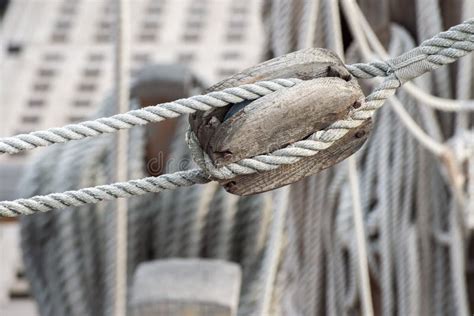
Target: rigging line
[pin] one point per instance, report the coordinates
(357, 211)
(361, 240)
(274, 248)
(427, 141)
(143, 116)
(352, 10)
(311, 11)
(442, 104)
(122, 48)
(92, 195)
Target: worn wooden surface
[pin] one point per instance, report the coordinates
(186, 287)
(281, 118)
(304, 64)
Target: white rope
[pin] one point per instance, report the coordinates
(151, 114)
(429, 143)
(357, 212)
(274, 249)
(45, 203)
(443, 104)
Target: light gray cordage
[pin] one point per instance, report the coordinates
(100, 193)
(151, 114)
(444, 48)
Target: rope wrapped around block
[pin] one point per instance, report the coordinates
(442, 49)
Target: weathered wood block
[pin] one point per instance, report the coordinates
(186, 287)
(327, 93)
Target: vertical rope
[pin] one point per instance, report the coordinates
(357, 212)
(272, 256)
(122, 99)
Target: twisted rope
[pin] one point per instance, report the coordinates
(45, 203)
(151, 114)
(442, 49)
(291, 154)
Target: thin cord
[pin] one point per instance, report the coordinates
(274, 249)
(428, 142)
(122, 44)
(357, 211)
(366, 292)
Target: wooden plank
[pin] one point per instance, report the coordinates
(186, 287)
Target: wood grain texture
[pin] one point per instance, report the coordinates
(327, 94)
(280, 118)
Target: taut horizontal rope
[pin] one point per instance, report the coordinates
(151, 114)
(45, 203)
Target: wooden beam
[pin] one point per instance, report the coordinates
(186, 287)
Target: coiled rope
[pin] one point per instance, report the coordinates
(444, 48)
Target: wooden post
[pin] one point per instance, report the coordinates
(186, 287)
(159, 84)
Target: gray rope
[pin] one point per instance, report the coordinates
(151, 114)
(45, 203)
(443, 48)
